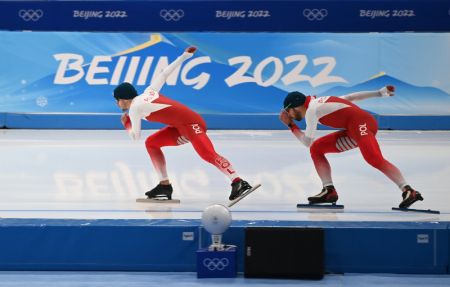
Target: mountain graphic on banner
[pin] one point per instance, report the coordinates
(408, 99)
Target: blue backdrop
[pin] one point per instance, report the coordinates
(236, 80)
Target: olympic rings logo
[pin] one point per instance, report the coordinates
(315, 14)
(31, 15)
(216, 263)
(171, 15)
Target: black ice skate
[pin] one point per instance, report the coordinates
(409, 197)
(327, 195)
(161, 191)
(238, 188)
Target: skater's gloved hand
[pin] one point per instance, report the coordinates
(285, 118)
(191, 49)
(387, 91)
(188, 53)
(126, 122)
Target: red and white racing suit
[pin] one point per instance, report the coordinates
(358, 131)
(183, 125)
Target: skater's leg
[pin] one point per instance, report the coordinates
(168, 136)
(205, 149)
(332, 143)
(371, 152)
(364, 133)
(196, 133)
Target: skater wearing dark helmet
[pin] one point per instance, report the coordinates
(358, 130)
(183, 125)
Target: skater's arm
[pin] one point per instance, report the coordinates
(311, 125)
(301, 135)
(387, 91)
(135, 120)
(126, 122)
(158, 83)
(284, 118)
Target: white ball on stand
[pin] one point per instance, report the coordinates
(216, 219)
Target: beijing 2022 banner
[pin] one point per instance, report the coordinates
(231, 73)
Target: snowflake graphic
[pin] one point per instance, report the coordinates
(41, 101)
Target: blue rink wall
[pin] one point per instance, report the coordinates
(214, 121)
(170, 245)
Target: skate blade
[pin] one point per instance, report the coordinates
(156, 200)
(416, 210)
(320, 206)
(234, 201)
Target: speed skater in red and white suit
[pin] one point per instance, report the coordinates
(183, 125)
(358, 130)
